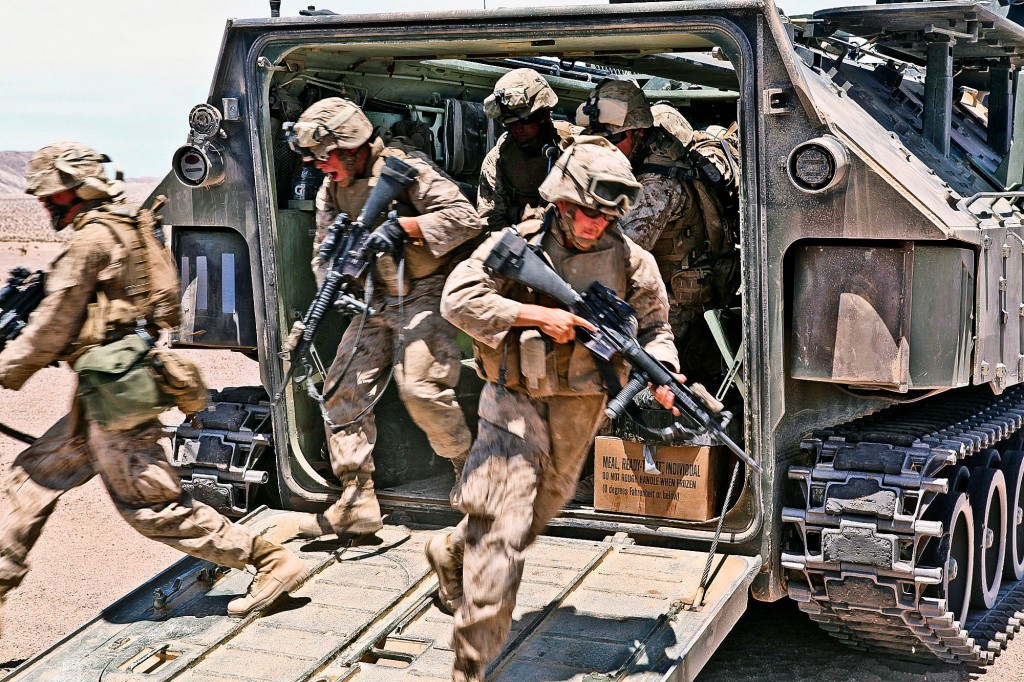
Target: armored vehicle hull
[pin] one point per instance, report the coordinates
(877, 344)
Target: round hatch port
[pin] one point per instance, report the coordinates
(818, 165)
(198, 166)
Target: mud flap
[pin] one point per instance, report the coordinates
(594, 611)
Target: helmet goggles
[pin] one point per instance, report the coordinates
(614, 192)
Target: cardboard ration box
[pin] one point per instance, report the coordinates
(685, 486)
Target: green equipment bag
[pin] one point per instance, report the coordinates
(117, 386)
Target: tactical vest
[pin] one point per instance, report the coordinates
(529, 362)
(419, 261)
(140, 287)
(521, 174)
(689, 246)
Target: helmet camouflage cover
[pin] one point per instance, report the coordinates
(669, 119)
(332, 123)
(613, 107)
(518, 94)
(592, 172)
(70, 165)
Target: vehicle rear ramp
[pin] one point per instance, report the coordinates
(587, 611)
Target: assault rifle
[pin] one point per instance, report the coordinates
(22, 294)
(344, 250)
(513, 258)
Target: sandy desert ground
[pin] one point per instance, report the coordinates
(88, 557)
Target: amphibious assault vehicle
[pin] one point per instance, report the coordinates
(877, 343)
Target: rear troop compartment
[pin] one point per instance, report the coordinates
(434, 104)
(425, 85)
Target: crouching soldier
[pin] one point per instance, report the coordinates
(536, 427)
(110, 293)
(407, 333)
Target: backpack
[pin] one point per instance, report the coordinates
(153, 279)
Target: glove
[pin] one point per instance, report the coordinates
(387, 238)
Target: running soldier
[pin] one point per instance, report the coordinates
(514, 168)
(536, 427)
(433, 220)
(103, 297)
(687, 214)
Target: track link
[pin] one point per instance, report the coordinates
(859, 568)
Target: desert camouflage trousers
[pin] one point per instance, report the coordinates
(141, 483)
(521, 471)
(426, 372)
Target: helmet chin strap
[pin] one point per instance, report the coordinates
(57, 213)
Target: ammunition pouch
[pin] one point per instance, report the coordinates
(180, 380)
(692, 288)
(117, 387)
(126, 383)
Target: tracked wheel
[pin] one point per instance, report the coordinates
(987, 494)
(904, 516)
(955, 554)
(1013, 471)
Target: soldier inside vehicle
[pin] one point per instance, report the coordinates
(462, 114)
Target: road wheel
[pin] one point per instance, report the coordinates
(987, 493)
(954, 551)
(1013, 471)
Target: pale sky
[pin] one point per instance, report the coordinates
(122, 75)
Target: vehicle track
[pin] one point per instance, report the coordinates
(870, 558)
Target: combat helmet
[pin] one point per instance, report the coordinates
(71, 165)
(332, 123)
(613, 107)
(518, 94)
(592, 172)
(674, 123)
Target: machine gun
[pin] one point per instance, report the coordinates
(513, 258)
(21, 295)
(344, 250)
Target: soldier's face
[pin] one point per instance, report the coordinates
(526, 131)
(625, 141)
(345, 165)
(584, 225)
(523, 133)
(59, 207)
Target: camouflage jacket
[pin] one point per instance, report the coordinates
(680, 218)
(84, 295)
(486, 305)
(446, 218)
(509, 178)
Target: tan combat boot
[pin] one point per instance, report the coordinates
(278, 571)
(356, 512)
(446, 560)
(468, 671)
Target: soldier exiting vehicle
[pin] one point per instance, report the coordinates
(111, 292)
(684, 215)
(407, 332)
(514, 168)
(544, 397)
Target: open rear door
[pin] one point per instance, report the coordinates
(587, 611)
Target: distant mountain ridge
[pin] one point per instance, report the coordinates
(12, 172)
(12, 178)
